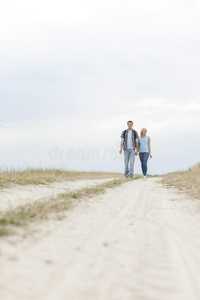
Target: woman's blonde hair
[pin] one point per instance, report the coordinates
(142, 130)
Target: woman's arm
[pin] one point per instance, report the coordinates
(149, 141)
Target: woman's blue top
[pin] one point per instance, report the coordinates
(143, 144)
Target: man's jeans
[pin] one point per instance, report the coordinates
(129, 156)
(143, 158)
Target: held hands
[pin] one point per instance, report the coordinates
(136, 153)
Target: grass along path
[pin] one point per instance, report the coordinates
(43, 176)
(186, 181)
(22, 215)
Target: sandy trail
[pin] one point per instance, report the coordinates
(139, 241)
(22, 194)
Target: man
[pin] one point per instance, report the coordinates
(129, 141)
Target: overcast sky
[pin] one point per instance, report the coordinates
(74, 72)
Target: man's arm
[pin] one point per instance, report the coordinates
(122, 141)
(137, 147)
(121, 145)
(137, 143)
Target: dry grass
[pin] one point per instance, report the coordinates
(43, 176)
(40, 210)
(187, 181)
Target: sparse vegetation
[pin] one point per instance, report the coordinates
(187, 181)
(40, 210)
(43, 176)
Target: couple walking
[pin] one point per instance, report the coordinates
(131, 141)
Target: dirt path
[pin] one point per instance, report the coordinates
(139, 241)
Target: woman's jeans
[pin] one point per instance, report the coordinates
(143, 158)
(129, 156)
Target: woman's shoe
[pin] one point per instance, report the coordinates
(144, 177)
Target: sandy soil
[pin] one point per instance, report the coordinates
(22, 194)
(139, 241)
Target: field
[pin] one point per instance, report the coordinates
(186, 181)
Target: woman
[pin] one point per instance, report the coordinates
(144, 150)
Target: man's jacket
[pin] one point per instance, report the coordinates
(124, 136)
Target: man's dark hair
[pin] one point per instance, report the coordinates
(130, 122)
